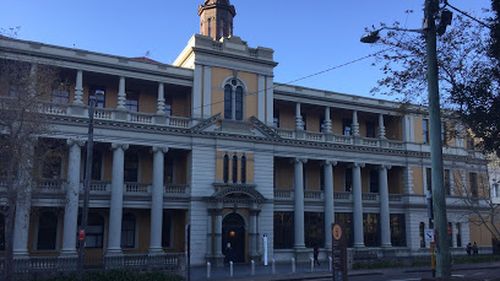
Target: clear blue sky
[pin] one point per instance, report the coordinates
(307, 36)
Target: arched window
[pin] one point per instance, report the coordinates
(47, 231)
(239, 103)
(209, 28)
(243, 169)
(228, 103)
(225, 169)
(235, 169)
(128, 231)
(233, 100)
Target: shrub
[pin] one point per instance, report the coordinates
(119, 275)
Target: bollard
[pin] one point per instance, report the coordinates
(312, 264)
(252, 264)
(293, 265)
(274, 266)
(330, 264)
(209, 269)
(231, 269)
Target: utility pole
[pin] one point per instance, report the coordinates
(443, 258)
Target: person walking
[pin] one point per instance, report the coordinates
(316, 254)
(475, 250)
(468, 249)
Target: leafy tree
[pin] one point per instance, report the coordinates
(468, 73)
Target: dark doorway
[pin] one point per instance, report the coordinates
(233, 238)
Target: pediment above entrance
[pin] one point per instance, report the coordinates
(244, 192)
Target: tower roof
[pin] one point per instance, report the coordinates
(224, 4)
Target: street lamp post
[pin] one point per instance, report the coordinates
(431, 9)
(82, 231)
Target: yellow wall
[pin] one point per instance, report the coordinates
(313, 180)
(287, 116)
(337, 117)
(313, 120)
(250, 100)
(418, 185)
(147, 102)
(284, 174)
(338, 178)
(219, 166)
(394, 128)
(419, 135)
(479, 233)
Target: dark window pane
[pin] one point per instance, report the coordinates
(132, 102)
(371, 229)
(398, 230)
(166, 240)
(370, 129)
(47, 231)
(374, 188)
(128, 231)
(346, 127)
(473, 184)
(131, 171)
(239, 103)
(235, 169)
(425, 130)
(447, 183)
(315, 225)
(95, 231)
(243, 169)
(101, 98)
(421, 231)
(228, 102)
(283, 230)
(225, 169)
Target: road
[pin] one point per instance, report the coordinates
(412, 275)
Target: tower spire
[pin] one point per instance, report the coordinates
(216, 18)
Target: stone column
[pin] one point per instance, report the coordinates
(385, 228)
(218, 235)
(329, 206)
(160, 106)
(254, 212)
(299, 204)
(72, 195)
(122, 96)
(357, 205)
(23, 204)
(210, 218)
(116, 206)
(327, 125)
(355, 124)
(299, 123)
(157, 200)
(381, 126)
(78, 98)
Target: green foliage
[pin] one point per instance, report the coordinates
(120, 275)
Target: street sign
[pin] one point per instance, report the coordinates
(339, 253)
(429, 236)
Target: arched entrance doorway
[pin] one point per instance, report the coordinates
(233, 232)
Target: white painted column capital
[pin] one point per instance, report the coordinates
(330, 163)
(299, 159)
(358, 165)
(122, 146)
(163, 149)
(75, 141)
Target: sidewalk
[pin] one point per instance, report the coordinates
(242, 272)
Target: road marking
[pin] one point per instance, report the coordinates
(409, 279)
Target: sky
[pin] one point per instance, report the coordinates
(307, 36)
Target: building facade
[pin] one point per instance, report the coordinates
(214, 142)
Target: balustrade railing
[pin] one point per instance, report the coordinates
(312, 194)
(313, 136)
(179, 122)
(54, 108)
(137, 117)
(100, 186)
(395, 197)
(395, 144)
(370, 196)
(283, 194)
(102, 113)
(135, 187)
(178, 189)
(47, 185)
(370, 142)
(342, 139)
(342, 195)
(287, 134)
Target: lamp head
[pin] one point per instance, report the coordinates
(371, 37)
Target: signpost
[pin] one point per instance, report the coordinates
(339, 253)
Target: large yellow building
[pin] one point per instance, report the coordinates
(213, 141)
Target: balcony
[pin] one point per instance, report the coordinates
(340, 139)
(177, 190)
(50, 186)
(117, 115)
